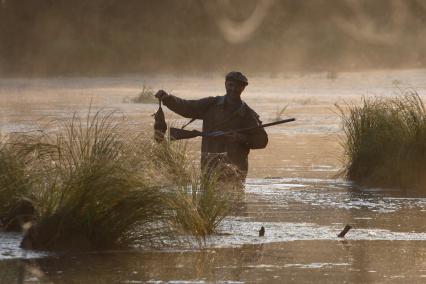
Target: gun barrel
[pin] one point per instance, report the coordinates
(277, 122)
(263, 125)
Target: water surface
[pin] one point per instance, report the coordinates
(293, 190)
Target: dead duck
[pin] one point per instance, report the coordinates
(160, 126)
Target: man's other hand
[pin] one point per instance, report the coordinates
(161, 95)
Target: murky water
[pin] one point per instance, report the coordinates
(293, 191)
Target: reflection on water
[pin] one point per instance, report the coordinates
(302, 210)
(9, 247)
(291, 262)
(302, 218)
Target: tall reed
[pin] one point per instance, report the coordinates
(386, 141)
(201, 205)
(199, 200)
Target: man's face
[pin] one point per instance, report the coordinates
(234, 88)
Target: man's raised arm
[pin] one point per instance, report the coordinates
(186, 108)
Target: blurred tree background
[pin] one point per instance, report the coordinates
(100, 37)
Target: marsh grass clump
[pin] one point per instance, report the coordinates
(170, 159)
(15, 206)
(146, 96)
(201, 205)
(198, 200)
(95, 183)
(386, 141)
(89, 188)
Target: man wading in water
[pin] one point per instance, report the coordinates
(224, 113)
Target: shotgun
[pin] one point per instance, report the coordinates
(179, 134)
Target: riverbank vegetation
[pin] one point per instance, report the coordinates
(146, 96)
(96, 183)
(386, 141)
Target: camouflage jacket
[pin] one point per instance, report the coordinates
(217, 114)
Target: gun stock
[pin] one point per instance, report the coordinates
(179, 134)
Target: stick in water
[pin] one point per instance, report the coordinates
(262, 232)
(344, 231)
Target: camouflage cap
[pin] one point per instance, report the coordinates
(237, 76)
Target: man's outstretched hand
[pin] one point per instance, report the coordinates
(161, 95)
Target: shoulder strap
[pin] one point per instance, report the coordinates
(191, 121)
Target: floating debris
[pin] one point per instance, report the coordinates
(344, 231)
(262, 232)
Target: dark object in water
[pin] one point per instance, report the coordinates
(22, 213)
(344, 231)
(37, 239)
(262, 232)
(179, 134)
(160, 126)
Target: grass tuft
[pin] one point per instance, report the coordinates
(92, 187)
(386, 141)
(202, 205)
(279, 113)
(146, 96)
